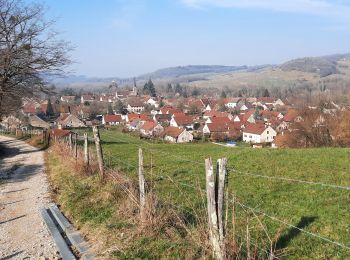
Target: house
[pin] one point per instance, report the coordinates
(231, 103)
(169, 110)
(218, 120)
(212, 113)
(143, 117)
(177, 135)
(112, 119)
(135, 105)
(247, 117)
(87, 98)
(36, 122)
(215, 128)
(68, 99)
(270, 115)
(69, 121)
(163, 119)
(152, 101)
(30, 109)
(258, 133)
(182, 121)
(150, 128)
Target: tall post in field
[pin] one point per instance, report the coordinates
(142, 186)
(86, 149)
(76, 146)
(70, 141)
(222, 173)
(98, 150)
(212, 212)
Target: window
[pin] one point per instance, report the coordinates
(268, 132)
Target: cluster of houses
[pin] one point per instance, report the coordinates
(252, 120)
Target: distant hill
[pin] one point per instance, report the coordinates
(175, 72)
(212, 76)
(324, 66)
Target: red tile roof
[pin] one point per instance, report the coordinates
(148, 126)
(220, 120)
(267, 99)
(213, 113)
(217, 127)
(29, 108)
(112, 118)
(173, 131)
(257, 129)
(184, 120)
(291, 115)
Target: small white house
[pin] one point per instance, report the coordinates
(258, 133)
(177, 135)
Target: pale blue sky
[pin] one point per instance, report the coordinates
(127, 38)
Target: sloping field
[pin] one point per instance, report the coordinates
(299, 196)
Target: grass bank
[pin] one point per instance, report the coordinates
(175, 175)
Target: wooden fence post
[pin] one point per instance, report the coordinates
(142, 186)
(215, 184)
(222, 173)
(76, 146)
(86, 149)
(70, 141)
(212, 212)
(98, 150)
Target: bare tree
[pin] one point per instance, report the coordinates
(30, 51)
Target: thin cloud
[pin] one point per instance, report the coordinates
(315, 7)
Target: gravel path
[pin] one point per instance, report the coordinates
(24, 190)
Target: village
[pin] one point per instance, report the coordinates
(256, 121)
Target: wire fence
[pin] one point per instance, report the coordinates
(158, 173)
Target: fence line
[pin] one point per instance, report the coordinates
(292, 226)
(238, 173)
(291, 180)
(246, 173)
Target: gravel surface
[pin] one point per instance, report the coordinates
(23, 191)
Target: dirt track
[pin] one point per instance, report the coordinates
(23, 234)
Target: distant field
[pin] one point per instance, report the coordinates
(177, 174)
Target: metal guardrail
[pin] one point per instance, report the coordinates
(67, 239)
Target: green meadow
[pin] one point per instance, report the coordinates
(176, 174)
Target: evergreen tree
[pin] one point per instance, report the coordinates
(149, 89)
(195, 92)
(169, 88)
(184, 93)
(223, 94)
(266, 93)
(49, 111)
(178, 89)
(110, 109)
(119, 107)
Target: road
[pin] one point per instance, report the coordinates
(23, 234)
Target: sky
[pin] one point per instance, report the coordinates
(126, 38)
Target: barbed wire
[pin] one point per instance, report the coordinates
(290, 180)
(292, 226)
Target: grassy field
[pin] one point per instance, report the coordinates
(177, 174)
